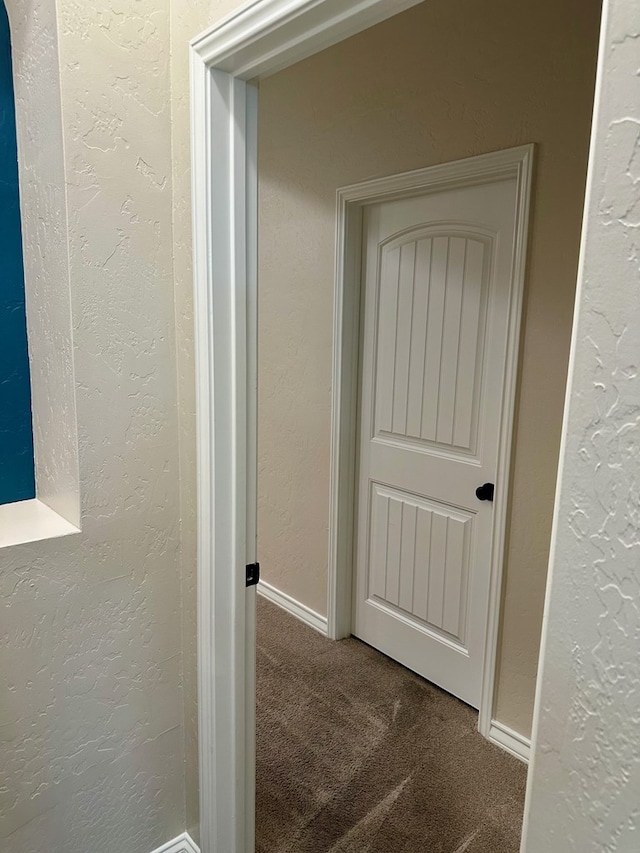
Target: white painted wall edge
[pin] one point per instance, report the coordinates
(182, 844)
(30, 521)
(510, 740)
(295, 608)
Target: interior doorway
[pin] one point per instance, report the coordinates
(442, 252)
(232, 530)
(314, 140)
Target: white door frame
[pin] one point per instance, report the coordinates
(500, 165)
(261, 38)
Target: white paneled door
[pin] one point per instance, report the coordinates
(437, 273)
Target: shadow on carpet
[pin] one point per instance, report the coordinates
(356, 754)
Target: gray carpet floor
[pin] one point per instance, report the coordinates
(356, 754)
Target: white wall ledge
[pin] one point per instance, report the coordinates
(31, 521)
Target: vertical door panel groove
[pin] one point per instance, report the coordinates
(422, 284)
(463, 434)
(433, 341)
(458, 375)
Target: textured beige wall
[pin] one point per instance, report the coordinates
(439, 82)
(91, 721)
(582, 795)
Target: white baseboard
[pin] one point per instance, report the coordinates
(510, 740)
(300, 611)
(182, 844)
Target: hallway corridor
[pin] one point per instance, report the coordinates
(355, 754)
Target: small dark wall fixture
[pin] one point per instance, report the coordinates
(17, 475)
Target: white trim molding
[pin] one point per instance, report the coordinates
(181, 844)
(510, 740)
(510, 163)
(295, 608)
(265, 36)
(224, 116)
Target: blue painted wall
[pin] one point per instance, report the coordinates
(17, 481)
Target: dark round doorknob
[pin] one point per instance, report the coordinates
(485, 492)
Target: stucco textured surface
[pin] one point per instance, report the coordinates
(90, 629)
(439, 82)
(585, 776)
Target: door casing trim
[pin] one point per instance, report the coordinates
(499, 165)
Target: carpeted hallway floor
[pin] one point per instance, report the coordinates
(358, 755)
